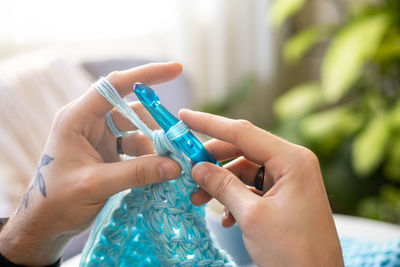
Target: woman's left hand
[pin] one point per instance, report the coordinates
(80, 169)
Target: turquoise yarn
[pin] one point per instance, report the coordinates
(357, 253)
(157, 225)
(154, 225)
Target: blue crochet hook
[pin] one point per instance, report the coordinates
(187, 142)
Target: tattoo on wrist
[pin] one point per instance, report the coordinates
(38, 182)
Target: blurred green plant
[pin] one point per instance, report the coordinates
(350, 117)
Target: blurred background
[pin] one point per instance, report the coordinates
(320, 73)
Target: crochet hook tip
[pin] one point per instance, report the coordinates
(146, 94)
(152, 103)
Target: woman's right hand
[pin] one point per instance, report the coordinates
(290, 223)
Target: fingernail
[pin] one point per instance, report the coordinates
(200, 172)
(167, 171)
(225, 213)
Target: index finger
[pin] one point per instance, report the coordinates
(94, 103)
(255, 143)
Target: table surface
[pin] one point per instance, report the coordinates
(347, 226)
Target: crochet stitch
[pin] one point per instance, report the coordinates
(156, 224)
(357, 252)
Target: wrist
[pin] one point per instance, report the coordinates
(328, 254)
(23, 245)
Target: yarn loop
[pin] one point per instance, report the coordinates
(153, 225)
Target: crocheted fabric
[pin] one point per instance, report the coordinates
(357, 253)
(157, 225)
(151, 225)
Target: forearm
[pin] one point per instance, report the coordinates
(22, 246)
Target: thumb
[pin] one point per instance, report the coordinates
(223, 186)
(150, 169)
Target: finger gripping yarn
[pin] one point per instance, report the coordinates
(154, 225)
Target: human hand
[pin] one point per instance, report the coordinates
(80, 169)
(290, 223)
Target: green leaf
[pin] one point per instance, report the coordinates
(389, 49)
(298, 101)
(394, 116)
(282, 9)
(392, 165)
(338, 122)
(369, 146)
(385, 207)
(349, 51)
(368, 207)
(302, 42)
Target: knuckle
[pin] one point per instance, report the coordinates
(224, 183)
(307, 157)
(138, 175)
(60, 116)
(112, 77)
(62, 112)
(88, 182)
(137, 106)
(250, 215)
(239, 127)
(244, 124)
